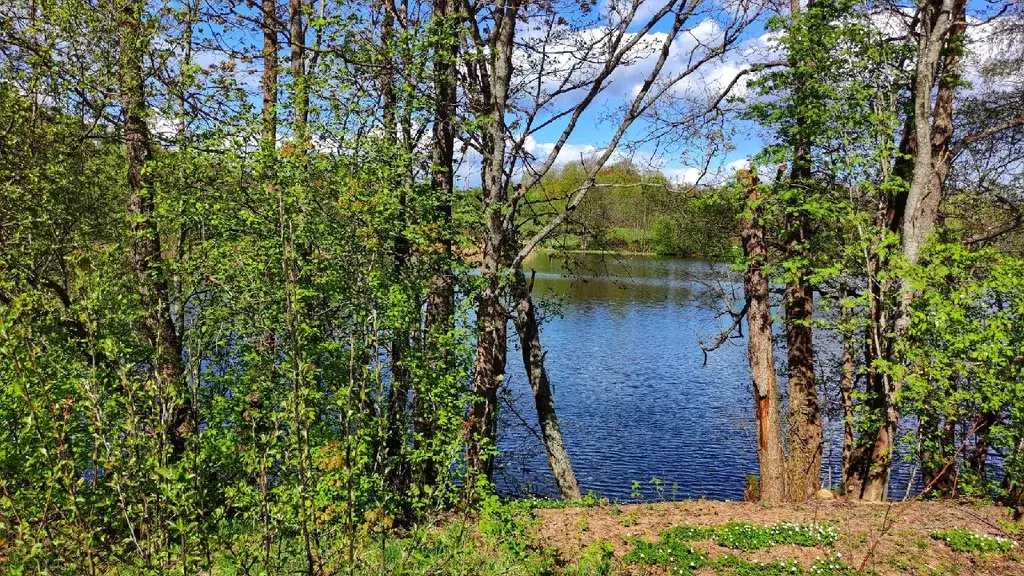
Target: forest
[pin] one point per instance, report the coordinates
(265, 264)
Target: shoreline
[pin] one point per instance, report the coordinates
(887, 539)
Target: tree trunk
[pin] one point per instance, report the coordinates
(533, 360)
(760, 350)
(491, 351)
(846, 385)
(270, 71)
(491, 316)
(297, 48)
(145, 253)
(267, 345)
(440, 317)
(978, 456)
(396, 470)
(938, 34)
(937, 452)
(805, 430)
(942, 26)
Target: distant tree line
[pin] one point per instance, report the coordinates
(641, 211)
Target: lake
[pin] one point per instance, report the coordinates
(634, 397)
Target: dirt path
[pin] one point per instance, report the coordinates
(906, 548)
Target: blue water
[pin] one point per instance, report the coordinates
(634, 397)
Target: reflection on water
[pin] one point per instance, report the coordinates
(614, 279)
(634, 397)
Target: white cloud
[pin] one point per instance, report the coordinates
(741, 164)
(568, 153)
(682, 175)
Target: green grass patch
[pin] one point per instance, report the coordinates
(964, 540)
(596, 560)
(589, 500)
(675, 550)
(743, 536)
(747, 537)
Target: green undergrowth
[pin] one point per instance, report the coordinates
(590, 500)
(501, 538)
(966, 541)
(504, 541)
(744, 536)
(675, 551)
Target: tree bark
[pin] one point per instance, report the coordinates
(491, 351)
(440, 314)
(271, 46)
(937, 452)
(397, 470)
(760, 349)
(805, 431)
(941, 25)
(145, 254)
(846, 384)
(978, 456)
(297, 49)
(533, 360)
(491, 316)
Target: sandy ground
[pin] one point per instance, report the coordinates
(904, 548)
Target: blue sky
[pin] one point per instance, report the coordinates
(679, 160)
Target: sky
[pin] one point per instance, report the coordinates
(680, 162)
(679, 158)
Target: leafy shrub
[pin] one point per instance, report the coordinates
(506, 525)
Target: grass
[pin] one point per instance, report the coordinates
(505, 543)
(683, 559)
(747, 537)
(503, 539)
(675, 550)
(968, 542)
(743, 536)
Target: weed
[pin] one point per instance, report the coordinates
(630, 519)
(659, 487)
(596, 560)
(583, 525)
(506, 525)
(682, 559)
(674, 549)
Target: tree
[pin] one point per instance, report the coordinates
(760, 347)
